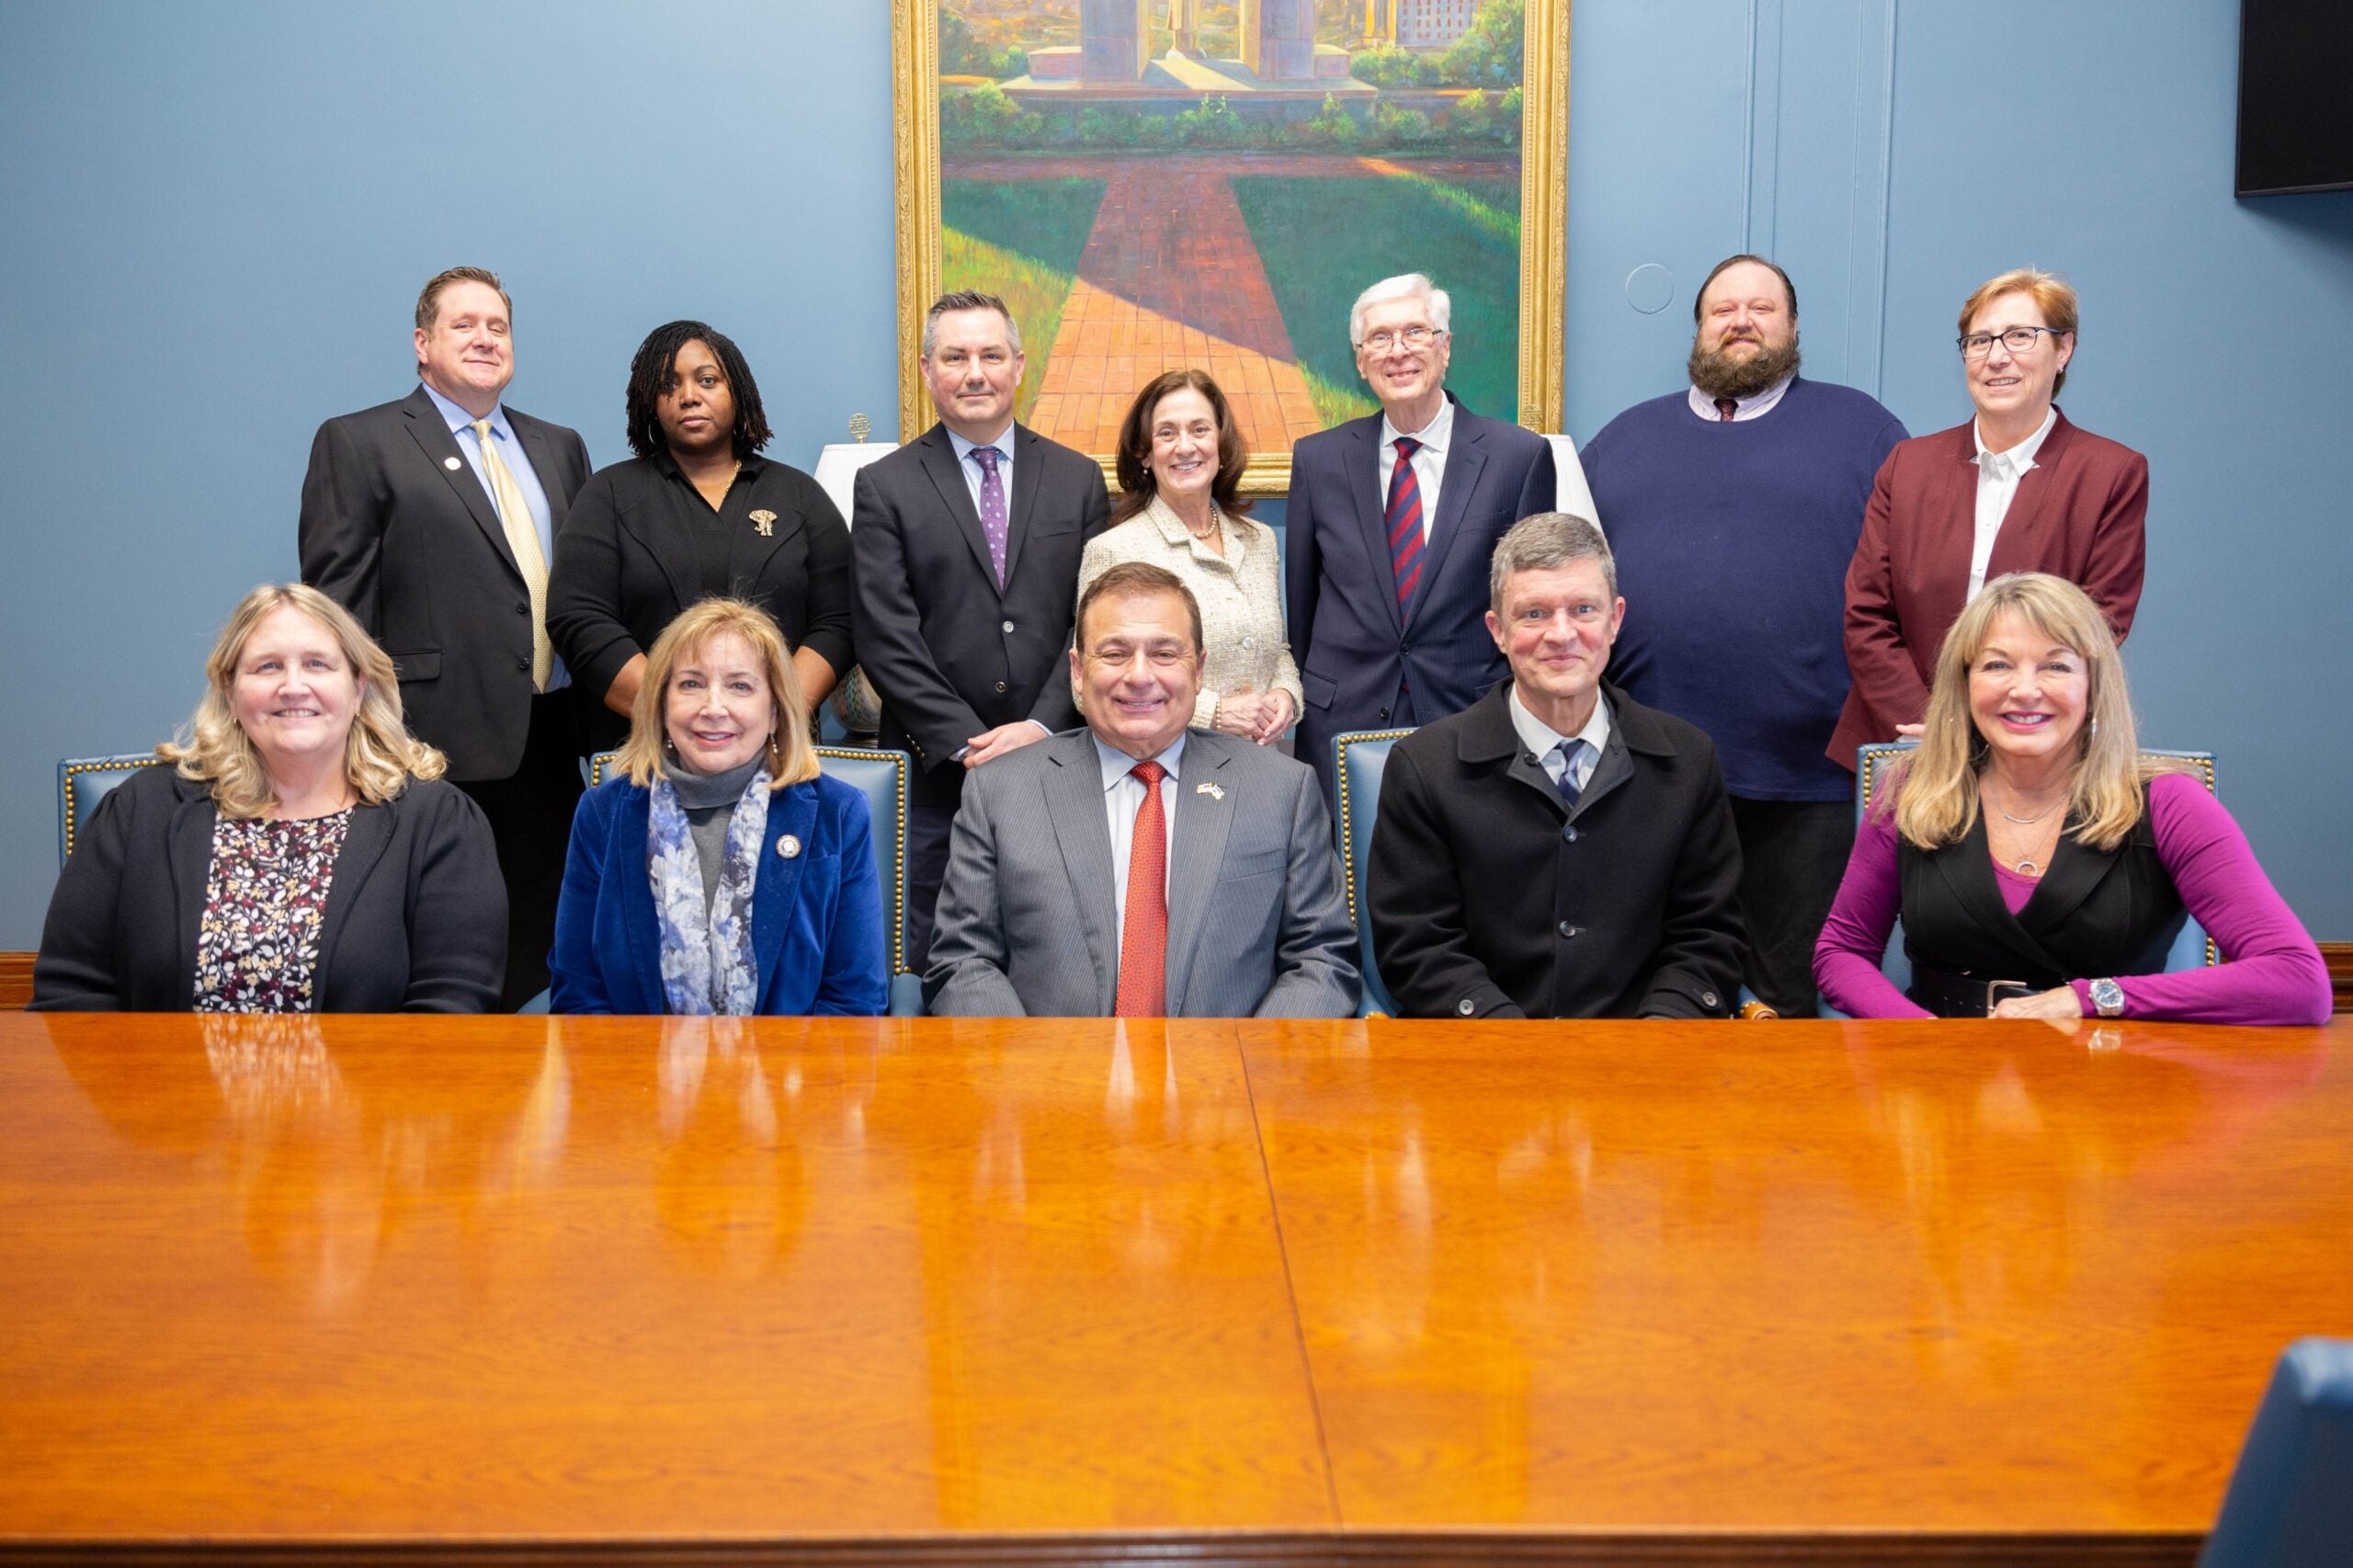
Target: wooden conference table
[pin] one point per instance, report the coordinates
(517, 1289)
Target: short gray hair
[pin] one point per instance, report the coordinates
(1542, 542)
(1404, 285)
(966, 300)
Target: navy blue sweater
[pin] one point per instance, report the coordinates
(1732, 541)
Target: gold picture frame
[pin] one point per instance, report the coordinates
(1541, 222)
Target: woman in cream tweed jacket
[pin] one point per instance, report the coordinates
(1180, 508)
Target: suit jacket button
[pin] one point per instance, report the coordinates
(1466, 1007)
(523, 609)
(1000, 686)
(1384, 715)
(1008, 626)
(523, 664)
(1567, 930)
(1405, 647)
(1707, 998)
(1569, 834)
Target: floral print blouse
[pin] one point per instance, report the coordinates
(265, 903)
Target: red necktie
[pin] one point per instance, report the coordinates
(1405, 521)
(1143, 936)
(1725, 409)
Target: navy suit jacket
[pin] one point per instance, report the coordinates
(1356, 647)
(817, 917)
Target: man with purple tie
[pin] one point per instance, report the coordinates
(964, 552)
(1391, 520)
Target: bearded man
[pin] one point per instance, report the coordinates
(1733, 509)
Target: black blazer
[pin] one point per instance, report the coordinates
(1490, 898)
(629, 562)
(415, 918)
(1355, 648)
(950, 652)
(412, 547)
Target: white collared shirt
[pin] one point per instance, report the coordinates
(1544, 741)
(1755, 407)
(1998, 485)
(1122, 799)
(1429, 460)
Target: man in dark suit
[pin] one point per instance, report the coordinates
(1558, 851)
(964, 552)
(432, 519)
(1387, 566)
(1137, 868)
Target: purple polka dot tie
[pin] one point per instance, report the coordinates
(991, 508)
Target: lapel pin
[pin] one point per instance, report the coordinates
(764, 520)
(787, 847)
(1213, 791)
(452, 464)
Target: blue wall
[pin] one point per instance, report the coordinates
(216, 219)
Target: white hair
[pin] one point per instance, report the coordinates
(1404, 285)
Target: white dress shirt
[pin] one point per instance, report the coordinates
(1429, 460)
(1998, 485)
(1755, 407)
(1122, 799)
(1544, 741)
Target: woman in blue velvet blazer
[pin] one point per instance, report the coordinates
(721, 872)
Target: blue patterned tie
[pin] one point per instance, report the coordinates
(1570, 751)
(991, 508)
(1404, 519)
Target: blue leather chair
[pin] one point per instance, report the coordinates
(1357, 758)
(2190, 949)
(883, 776)
(2290, 1502)
(82, 783)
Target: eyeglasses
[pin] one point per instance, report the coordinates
(2017, 339)
(1412, 337)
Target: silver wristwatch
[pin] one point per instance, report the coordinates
(2108, 997)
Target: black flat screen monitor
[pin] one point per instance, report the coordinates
(2295, 96)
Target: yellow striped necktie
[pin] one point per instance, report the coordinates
(523, 539)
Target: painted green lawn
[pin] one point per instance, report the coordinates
(1321, 240)
(1019, 240)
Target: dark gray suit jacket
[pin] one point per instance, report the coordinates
(412, 547)
(1256, 926)
(948, 651)
(415, 918)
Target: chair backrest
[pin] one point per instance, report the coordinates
(82, 783)
(2291, 1501)
(882, 777)
(1358, 759)
(1872, 763)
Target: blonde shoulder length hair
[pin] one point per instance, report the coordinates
(1936, 803)
(380, 756)
(793, 754)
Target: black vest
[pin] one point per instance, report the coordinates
(2095, 913)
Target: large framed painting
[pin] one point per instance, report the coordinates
(1152, 183)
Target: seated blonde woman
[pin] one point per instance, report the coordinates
(300, 855)
(721, 872)
(1180, 508)
(2041, 866)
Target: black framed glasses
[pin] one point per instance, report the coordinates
(2017, 339)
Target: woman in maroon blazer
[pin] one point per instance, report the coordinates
(2017, 489)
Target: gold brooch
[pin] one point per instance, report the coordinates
(764, 520)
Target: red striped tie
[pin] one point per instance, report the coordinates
(1405, 521)
(1143, 934)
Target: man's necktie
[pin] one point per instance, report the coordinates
(523, 539)
(993, 507)
(1404, 519)
(1143, 936)
(1725, 408)
(1570, 750)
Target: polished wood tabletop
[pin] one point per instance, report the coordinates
(902, 1290)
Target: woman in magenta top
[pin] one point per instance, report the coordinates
(2041, 865)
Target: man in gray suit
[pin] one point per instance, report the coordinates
(1135, 869)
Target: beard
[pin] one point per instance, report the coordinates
(1719, 375)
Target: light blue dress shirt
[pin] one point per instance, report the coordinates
(971, 470)
(527, 479)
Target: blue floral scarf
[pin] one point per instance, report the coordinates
(707, 960)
